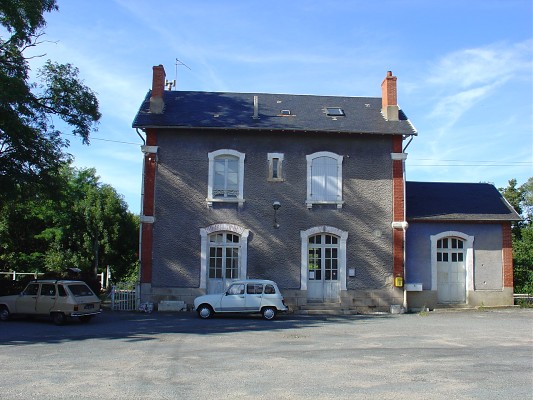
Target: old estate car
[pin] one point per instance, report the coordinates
(59, 299)
(247, 296)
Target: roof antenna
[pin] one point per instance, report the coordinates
(171, 84)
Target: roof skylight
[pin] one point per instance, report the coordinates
(335, 112)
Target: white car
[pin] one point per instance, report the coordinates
(247, 296)
(57, 299)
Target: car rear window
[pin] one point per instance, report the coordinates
(254, 288)
(79, 290)
(270, 289)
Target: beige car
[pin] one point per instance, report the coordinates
(58, 299)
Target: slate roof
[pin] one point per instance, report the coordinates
(212, 110)
(433, 201)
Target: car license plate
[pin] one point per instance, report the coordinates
(88, 306)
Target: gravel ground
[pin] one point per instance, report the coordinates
(452, 355)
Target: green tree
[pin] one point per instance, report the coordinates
(85, 224)
(30, 145)
(521, 198)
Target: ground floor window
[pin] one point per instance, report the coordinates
(224, 254)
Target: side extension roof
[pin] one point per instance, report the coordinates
(434, 201)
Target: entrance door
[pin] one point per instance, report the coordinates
(223, 261)
(323, 268)
(451, 271)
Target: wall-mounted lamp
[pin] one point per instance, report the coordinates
(276, 205)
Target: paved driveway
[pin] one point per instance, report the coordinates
(452, 355)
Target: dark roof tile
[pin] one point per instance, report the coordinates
(212, 110)
(457, 201)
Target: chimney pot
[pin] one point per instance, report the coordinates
(158, 87)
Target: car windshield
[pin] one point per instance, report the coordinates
(80, 290)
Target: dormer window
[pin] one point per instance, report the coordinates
(335, 112)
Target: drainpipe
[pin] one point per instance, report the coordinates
(141, 208)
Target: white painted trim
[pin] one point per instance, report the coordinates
(147, 219)
(212, 155)
(304, 236)
(149, 149)
(243, 253)
(398, 156)
(310, 157)
(469, 247)
(280, 157)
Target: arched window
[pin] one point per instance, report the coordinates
(324, 179)
(224, 254)
(226, 177)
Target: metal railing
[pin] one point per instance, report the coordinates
(124, 297)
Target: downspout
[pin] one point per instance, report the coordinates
(141, 208)
(405, 228)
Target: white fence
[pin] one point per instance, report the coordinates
(15, 274)
(125, 297)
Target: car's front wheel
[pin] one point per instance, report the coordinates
(268, 313)
(205, 311)
(4, 313)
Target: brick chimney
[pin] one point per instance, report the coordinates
(389, 100)
(158, 88)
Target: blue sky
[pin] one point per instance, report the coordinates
(464, 68)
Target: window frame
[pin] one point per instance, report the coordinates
(341, 258)
(310, 200)
(243, 233)
(280, 176)
(212, 156)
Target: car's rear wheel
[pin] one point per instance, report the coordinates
(59, 318)
(205, 311)
(268, 313)
(4, 313)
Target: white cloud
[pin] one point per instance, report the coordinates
(461, 79)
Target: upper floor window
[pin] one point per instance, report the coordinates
(324, 179)
(275, 167)
(226, 177)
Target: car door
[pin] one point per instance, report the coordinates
(46, 299)
(27, 300)
(254, 295)
(234, 300)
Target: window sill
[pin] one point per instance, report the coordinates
(210, 201)
(309, 203)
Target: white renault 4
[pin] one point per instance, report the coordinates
(246, 296)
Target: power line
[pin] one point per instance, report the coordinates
(105, 140)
